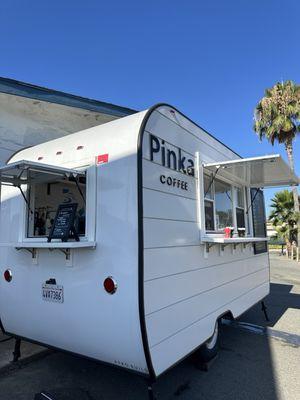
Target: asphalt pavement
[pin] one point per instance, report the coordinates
(258, 360)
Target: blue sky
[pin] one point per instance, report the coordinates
(212, 60)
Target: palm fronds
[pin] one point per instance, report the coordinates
(283, 217)
(277, 115)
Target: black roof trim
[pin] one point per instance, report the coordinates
(23, 89)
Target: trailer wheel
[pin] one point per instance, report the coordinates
(210, 348)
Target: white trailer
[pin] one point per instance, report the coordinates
(152, 271)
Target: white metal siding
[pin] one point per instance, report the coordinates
(170, 207)
(90, 321)
(152, 172)
(180, 344)
(184, 290)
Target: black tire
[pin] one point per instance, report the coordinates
(210, 348)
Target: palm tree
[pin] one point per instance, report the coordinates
(283, 217)
(277, 118)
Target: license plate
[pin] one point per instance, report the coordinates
(54, 293)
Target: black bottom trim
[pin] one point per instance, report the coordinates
(107, 364)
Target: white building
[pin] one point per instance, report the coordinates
(31, 114)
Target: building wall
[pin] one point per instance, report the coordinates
(26, 122)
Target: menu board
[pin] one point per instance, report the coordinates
(259, 219)
(63, 224)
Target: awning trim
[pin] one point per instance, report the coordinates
(263, 171)
(13, 173)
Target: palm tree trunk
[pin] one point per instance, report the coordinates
(289, 150)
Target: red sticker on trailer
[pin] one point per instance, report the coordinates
(102, 159)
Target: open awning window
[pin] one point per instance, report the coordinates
(30, 172)
(265, 171)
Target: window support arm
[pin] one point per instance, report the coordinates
(25, 199)
(252, 201)
(212, 181)
(79, 189)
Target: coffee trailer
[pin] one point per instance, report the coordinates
(151, 271)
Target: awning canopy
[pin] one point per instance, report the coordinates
(24, 172)
(256, 172)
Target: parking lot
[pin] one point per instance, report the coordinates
(254, 362)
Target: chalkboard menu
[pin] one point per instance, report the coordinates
(63, 225)
(259, 219)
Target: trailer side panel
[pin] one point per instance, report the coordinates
(186, 290)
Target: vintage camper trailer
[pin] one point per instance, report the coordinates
(127, 242)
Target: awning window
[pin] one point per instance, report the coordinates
(265, 171)
(30, 172)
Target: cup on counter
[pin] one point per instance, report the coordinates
(241, 232)
(228, 232)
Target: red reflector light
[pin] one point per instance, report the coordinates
(7, 275)
(110, 285)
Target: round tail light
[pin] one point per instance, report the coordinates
(110, 285)
(7, 275)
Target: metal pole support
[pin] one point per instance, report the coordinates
(17, 350)
(264, 310)
(150, 392)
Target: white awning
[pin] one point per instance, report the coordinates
(24, 172)
(256, 172)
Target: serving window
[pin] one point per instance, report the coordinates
(231, 189)
(224, 205)
(223, 200)
(59, 204)
(209, 204)
(239, 194)
(44, 199)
